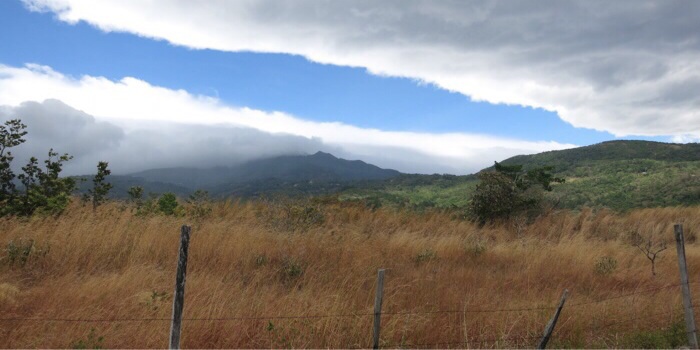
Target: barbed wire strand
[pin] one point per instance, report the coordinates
(465, 310)
(630, 320)
(627, 295)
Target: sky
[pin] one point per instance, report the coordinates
(418, 86)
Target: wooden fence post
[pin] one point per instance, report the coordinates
(179, 297)
(378, 307)
(690, 329)
(553, 322)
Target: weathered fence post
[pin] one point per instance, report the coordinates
(378, 307)
(179, 297)
(553, 322)
(690, 329)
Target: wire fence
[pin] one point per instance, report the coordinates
(466, 338)
(467, 309)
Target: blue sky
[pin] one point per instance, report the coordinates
(274, 77)
(271, 81)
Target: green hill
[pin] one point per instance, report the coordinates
(611, 151)
(624, 174)
(615, 174)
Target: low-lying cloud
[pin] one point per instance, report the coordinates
(135, 126)
(53, 124)
(628, 67)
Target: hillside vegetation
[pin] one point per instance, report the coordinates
(253, 262)
(620, 175)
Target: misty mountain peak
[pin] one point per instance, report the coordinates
(320, 154)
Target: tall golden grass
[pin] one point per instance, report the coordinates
(113, 264)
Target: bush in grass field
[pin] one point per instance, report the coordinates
(509, 191)
(293, 215)
(199, 205)
(136, 197)
(21, 251)
(167, 204)
(605, 265)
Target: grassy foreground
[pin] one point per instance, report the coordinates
(247, 262)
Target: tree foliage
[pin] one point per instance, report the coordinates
(136, 196)
(100, 189)
(167, 204)
(42, 187)
(509, 190)
(11, 135)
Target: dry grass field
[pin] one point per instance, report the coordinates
(105, 279)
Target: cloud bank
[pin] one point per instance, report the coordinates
(137, 126)
(629, 67)
(53, 124)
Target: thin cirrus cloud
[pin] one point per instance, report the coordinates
(627, 67)
(140, 126)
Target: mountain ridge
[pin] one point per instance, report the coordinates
(255, 177)
(620, 174)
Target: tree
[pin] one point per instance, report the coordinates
(42, 188)
(650, 247)
(509, 191)
(100, 189)
(496, 196)
(136, 196)
(11, 135)
(167, 203)
(56, 189)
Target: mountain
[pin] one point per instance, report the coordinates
(303, 174)
(617, 174)
(122, 183)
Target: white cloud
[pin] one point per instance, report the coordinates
(626, 67)
(684, 139)
(211, 133)
(139, 146)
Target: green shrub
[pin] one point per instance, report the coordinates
(425, 255)
(510, 190)
(136, 196)
(92, 341)
(167, 204)
(156, 299)
(293, 215)
(291, 269)
(198, 204)
(475, 247)
(21, 251)
(260, 260)
(605, 265)
(149, 206)
(671, 337)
